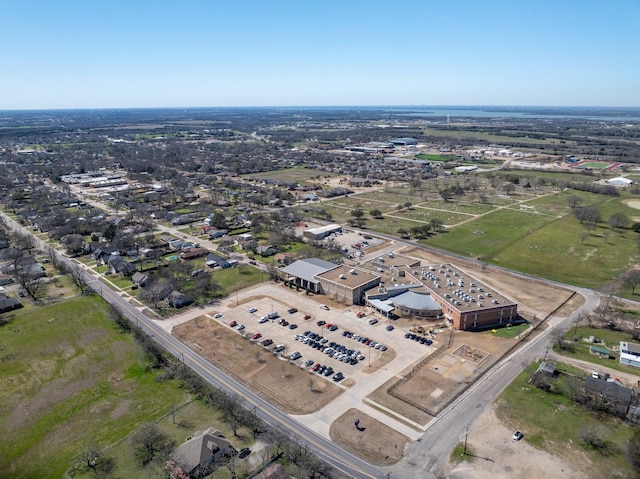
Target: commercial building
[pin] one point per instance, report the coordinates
(321, 232)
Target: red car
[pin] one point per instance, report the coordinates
(256, 336)
(316, 367)
(233, 324)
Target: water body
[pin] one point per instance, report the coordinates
(630, 114)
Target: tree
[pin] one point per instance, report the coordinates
(588, 214)
(147, 441)
(76, 274)
(52, 254)
(573, 201)
(436, 224)
(376, 213)
(407, 205)
(31, 284)
(508, 188)
(93, 459)
(631, 279)
(358, 216)
(403, 233)
(618, 220)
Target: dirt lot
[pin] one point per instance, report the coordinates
(372, 440)
(256, 367)
(497, 456)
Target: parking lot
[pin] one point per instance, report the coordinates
(334, 338)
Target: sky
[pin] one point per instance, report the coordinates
(210, 53)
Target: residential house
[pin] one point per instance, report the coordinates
(630, 354)
(610, 394)
(8, 304)
(192, 253)
(212, 260)
(198, 455)
(266, 250)
(176, 299)
(120, 266)
(140, 279)
(215, 234)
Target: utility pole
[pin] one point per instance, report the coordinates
(466, 433)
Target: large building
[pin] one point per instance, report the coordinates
(347, 285)
(321, 232)
(401, 286)
(464, 300)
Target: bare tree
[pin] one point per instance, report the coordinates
(147, 441)
(76, 274)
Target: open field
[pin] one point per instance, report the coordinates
(69, 378)
(373, 441)
(552, 422)
(262, 371)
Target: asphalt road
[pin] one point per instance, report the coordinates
(424, 458)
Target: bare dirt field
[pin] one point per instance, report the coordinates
(496, 455)
(433, 383)
(372, 441)
(283, 383)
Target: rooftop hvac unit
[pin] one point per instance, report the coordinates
(342, 276)
(380, 270)
(352, 271)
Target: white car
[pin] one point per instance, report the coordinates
(218, 315)
(240, 327)
(517, 435)
(324, 306)
(253, 310)
(263, 319)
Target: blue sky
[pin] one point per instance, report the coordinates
(138, 53)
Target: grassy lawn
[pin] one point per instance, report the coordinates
(556, 251)
(487, 235)
(189, 417)
(552, 422)
(511, 332)
(424, 215)
(425, 156)
(70, 378)
(608, 339)
(233, 279)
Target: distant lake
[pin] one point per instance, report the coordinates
(631, 114)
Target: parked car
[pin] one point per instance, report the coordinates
(263, 319)
(321, 323)
(595, 375)
(333, 327)
(278, 348)
(296, 355)
(308, 363)
(292, 310)
(256, 336)
(373, 321)
(338, 377)
(240, 327)
(217, 315)
(244, 452)
(324, 306)
(267, 342)
(233, 324)
(293, 326)
(253, 310)
(517, 435)
(389, 327)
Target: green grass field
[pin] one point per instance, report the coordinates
(444, 158)
(552, 422)
(70, 378)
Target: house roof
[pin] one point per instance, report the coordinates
(307, 269)
(200, 449)
(599, 349)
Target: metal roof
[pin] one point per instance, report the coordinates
(307, 269)
(415, 301)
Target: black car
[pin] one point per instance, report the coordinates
(292, 310)
(321, 323)
(244, 452)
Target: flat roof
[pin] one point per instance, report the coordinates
(343, 275)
